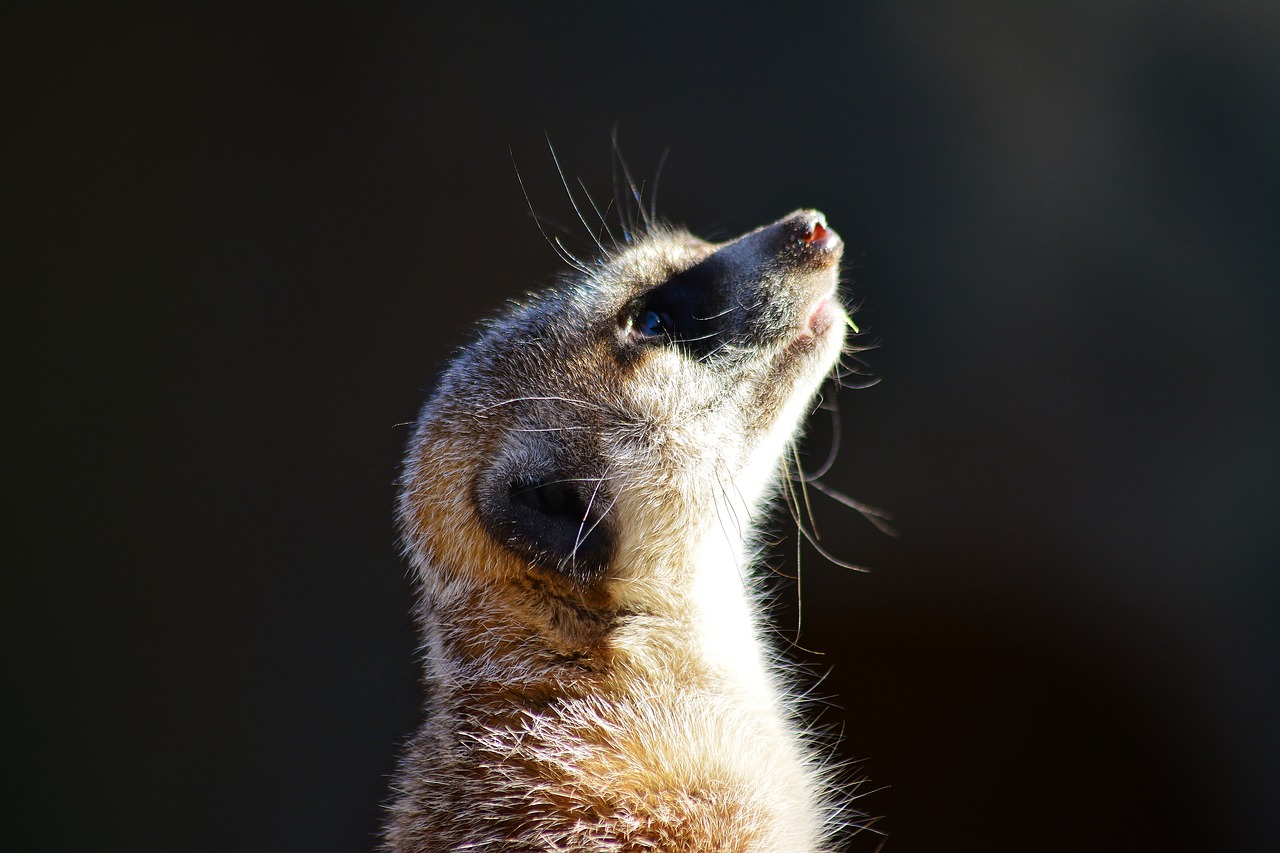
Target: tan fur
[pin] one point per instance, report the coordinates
(634, 709)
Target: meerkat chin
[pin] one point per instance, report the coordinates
(579, 504)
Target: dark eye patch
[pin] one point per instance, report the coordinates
(686, 310)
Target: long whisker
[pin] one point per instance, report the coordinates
(586, 513)
(569, 192)
(604, 223)
(859, 386)
(790, 489)
(793, 506)
(564, 254)
(725, 347)
(799, 592)
(570, 400)
(834, 408)
(789, 494)
(657, 176)
(625, 220)
(878, 517)
(550, 429)
(539, 485)
(732, 510)
(804, 491)
(829, 556)
(733, 542)
(723, 313)
(631, 183)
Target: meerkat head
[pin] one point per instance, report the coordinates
(585, 437)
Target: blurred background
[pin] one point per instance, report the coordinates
(241, 243)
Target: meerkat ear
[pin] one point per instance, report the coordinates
(547, 514)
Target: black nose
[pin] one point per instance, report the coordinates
(748, 292)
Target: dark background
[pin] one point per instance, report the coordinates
(240, 244)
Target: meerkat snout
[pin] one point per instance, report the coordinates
(761, 287)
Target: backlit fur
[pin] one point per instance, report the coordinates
(635, 708)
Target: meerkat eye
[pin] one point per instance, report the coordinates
(651, 323)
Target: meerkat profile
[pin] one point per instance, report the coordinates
(579, 503)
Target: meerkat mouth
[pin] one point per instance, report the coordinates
(825, 247)
(821, 317)
(820, 250)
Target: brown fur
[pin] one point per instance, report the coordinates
(624, 704)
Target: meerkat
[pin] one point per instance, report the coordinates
(580, 507)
